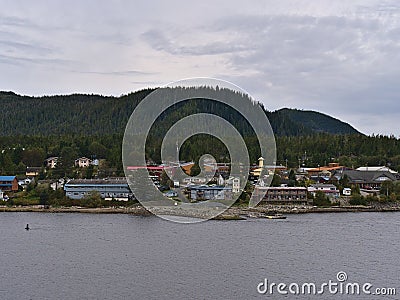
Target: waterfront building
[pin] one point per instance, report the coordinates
(282, 195)
(109, 188)
(209, 192)
(329, 190)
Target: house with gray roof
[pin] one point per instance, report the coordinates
(366, 179)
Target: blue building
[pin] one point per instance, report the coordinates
(209, 192)
(9, 183)
(110, 188)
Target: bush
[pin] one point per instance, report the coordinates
(357, 200)
(371, 198)
(321, 199)
(92, 200)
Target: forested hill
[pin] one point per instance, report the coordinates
(102, 115)
(315, 121)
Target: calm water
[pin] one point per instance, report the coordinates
(87, 256)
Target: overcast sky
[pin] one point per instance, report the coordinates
(338, 57)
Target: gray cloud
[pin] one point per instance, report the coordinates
(15, 21)
(338, 57)
(21, 61)
(158, 40)
(24, 47)
(117, 73)
(330, 60)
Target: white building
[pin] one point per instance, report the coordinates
(51, 162)
(328, 189)
(235, 185)
(82, 162)
(57, 184)
(234, 182)
(24, 182)
(347, 191)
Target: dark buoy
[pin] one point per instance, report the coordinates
(27, 227)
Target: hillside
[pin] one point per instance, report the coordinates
(101, 115)
(315, 121)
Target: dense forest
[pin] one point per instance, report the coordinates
(33, 129)
(350, 150)
(312, 121)
(100, 115)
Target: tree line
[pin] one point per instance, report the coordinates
(19, 152)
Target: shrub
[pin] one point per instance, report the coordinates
(357, 200)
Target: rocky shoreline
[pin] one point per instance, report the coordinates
(233, 213)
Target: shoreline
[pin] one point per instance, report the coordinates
(233, 213)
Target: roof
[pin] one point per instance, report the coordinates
(293, 188)
(325, 168)
(208, 187)
(323, 185)
(358, 176)
(33, 169)
(151, 168)
(52, 158)
(379, 168)
(7, 178)
(186, 164)
(106, 181)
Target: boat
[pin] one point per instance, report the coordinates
(276, 216)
